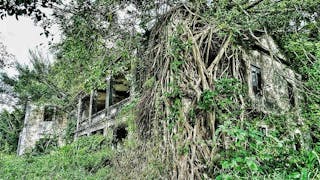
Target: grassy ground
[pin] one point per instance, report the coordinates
(96, 157)
(88, 158)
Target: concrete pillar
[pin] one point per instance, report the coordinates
(108, 102)
(78, 116)
(90, 106)
(108, 94)
(22, 136)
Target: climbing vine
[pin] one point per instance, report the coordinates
(198, 106)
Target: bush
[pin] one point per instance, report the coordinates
(79, 160)
(252, 153)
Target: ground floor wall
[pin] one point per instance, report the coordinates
(35, 129)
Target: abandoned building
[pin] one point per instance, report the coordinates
(97, 111)
(272, 87)
(95, 115)
(44, 122)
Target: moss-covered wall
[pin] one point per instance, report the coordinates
(275, 78)
(36, 128)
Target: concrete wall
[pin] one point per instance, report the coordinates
(102, 120)
(275, 78)
(35, 128)
(275, 98)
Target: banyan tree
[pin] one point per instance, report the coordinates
(200, 79)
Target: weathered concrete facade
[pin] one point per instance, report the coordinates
(95, 115)
(100, 122)
(36, 127)
(272, 88)
(98, 110)
(272, 85)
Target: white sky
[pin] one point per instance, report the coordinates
(21, 35)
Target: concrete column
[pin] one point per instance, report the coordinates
(90, 106)
(108, 93)
(22, 136)
(108, 102)
(28, 110)
(78, 115)
(19, 152)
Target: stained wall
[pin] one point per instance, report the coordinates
(36, 128)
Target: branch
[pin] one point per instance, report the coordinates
(220, 54)
(252, 5)
(199, 62)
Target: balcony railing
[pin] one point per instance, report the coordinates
(102, 116)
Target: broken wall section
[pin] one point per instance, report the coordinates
(97, 110)
(272, 85)
(41, 122)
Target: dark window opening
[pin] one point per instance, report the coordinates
(120, 89)
(97, 132)
(297, 142)
(49, 113)
(119, 134)
(45, 144)
(85, 105)
(264, 130)
(83, 135)
(291, 95)
(256, 80)
(99, 102)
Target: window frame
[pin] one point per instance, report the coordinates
(45, 111)
(256, 80)
(291, 94)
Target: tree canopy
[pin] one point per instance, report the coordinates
(25, 7)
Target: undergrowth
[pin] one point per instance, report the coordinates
(251, 154)
(93, 157)
(83, 158)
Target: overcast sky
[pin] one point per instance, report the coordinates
(21, 35)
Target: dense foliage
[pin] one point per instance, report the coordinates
(193, 119)
(10, 126)
(5, 57)
(85, 158)
(20, 8)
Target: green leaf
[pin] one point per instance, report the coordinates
(252, 165)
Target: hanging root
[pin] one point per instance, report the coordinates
(185, 56)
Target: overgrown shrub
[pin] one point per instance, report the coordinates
(81, 159)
